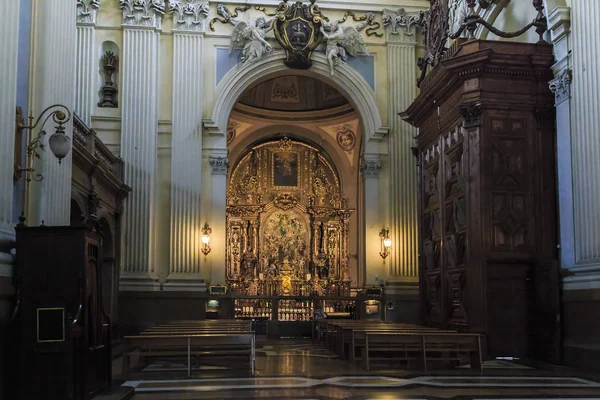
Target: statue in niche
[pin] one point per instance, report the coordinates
(250, 37)
(341, 42)
(248, 266)
(457, 13)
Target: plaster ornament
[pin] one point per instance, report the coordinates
(341, 42)
(250, 36)
(142, 12)
(400, 19)
(87, 10)
(189, 14)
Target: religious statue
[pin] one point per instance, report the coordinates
(251, 38)
(457, 13)
(341, 42)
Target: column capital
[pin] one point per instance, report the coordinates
(401, 26)
(87, 11)
(219, 165)
(561, 86)
(142, 13)
(370, 167)
(189, 15)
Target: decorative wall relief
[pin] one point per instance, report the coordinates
(189, 15)
(143, 12)
(346, 137)
(341, 42)
(400, 19)
(250, 37)
(285, 90)
(110, 63)
(365, 20)
(87, 10)
(226, 16)
(232, 127)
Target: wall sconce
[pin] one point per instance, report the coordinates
(60, 144)
(386, 243)
(206, 232)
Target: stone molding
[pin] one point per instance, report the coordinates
(142, 13)
(189, 15)
(219, 165)
(559, 23)
(401, 26)
(561, 86)
(87, 11)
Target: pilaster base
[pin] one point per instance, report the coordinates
(401, 302)
(185, 282)
(583, 277)
(138, 283)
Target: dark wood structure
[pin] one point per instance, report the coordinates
(60, 335)
(487, 196)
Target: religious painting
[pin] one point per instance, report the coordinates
(285, 169)
(284, 245)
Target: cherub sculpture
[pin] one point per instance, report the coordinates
(341, 42)
(251, 38)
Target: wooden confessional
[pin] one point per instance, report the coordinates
(487, 196)
(59, 335)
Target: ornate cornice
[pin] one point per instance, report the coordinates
(561, 86)
(471, 114)
(86, 11)
(401, 26)
(219, 165)
(142, 13)
(189, 15)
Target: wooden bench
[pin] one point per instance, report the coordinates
(174, 345)
(418, 346)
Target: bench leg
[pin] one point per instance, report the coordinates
(424, 353)
(476, 361)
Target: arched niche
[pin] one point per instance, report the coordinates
(108, 75)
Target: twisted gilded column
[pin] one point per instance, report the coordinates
(139, 130)
(403, 259)
(9, 29)
(53, 59)
(186, 145)
(87, 68)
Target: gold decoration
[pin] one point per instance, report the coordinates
(346, 137)
(285, 202)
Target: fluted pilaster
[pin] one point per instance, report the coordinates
(53, 65)
(9, 30)
(87, 66)
(186, 145)
(139, 131)
(403, 258)
(585, 141)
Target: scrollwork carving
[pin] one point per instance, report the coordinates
(345, 137)
(285, 202)
(400, 22)
(146, 13)
(219, 165)
(87, 11)
(189, 15)
(561, 86)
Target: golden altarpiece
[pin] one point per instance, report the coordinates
(287, 223)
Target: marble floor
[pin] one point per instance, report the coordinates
(300, 370)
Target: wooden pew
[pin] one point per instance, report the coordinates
(418, 346)
(174, 345)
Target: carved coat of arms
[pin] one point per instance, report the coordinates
(298, 31)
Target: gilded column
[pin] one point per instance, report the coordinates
(584, 106)
(9, 29)
(403, 259)
(142, 21)
(87, 68)
(53, 59)
(186, 144)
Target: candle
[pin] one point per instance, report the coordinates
(438, 109)
(308, 276)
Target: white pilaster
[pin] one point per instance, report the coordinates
(139, 130)
(375, 267)
(9, 29)
(186, 165)
(403, 259)
(87, 66)
(584, 109)
(214, 208)
(53, 55)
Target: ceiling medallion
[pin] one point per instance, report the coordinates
(285, 202)
(298, 30)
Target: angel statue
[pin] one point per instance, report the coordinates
(251, 38)
(341, 42)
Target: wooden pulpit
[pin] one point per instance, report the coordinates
(59, 335)
(487, 198)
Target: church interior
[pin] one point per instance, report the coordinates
(310, 200)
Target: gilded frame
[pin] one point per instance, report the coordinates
(298, 170)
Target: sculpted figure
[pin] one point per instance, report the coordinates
(251, 39)
(341, 42)
(458, 11)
